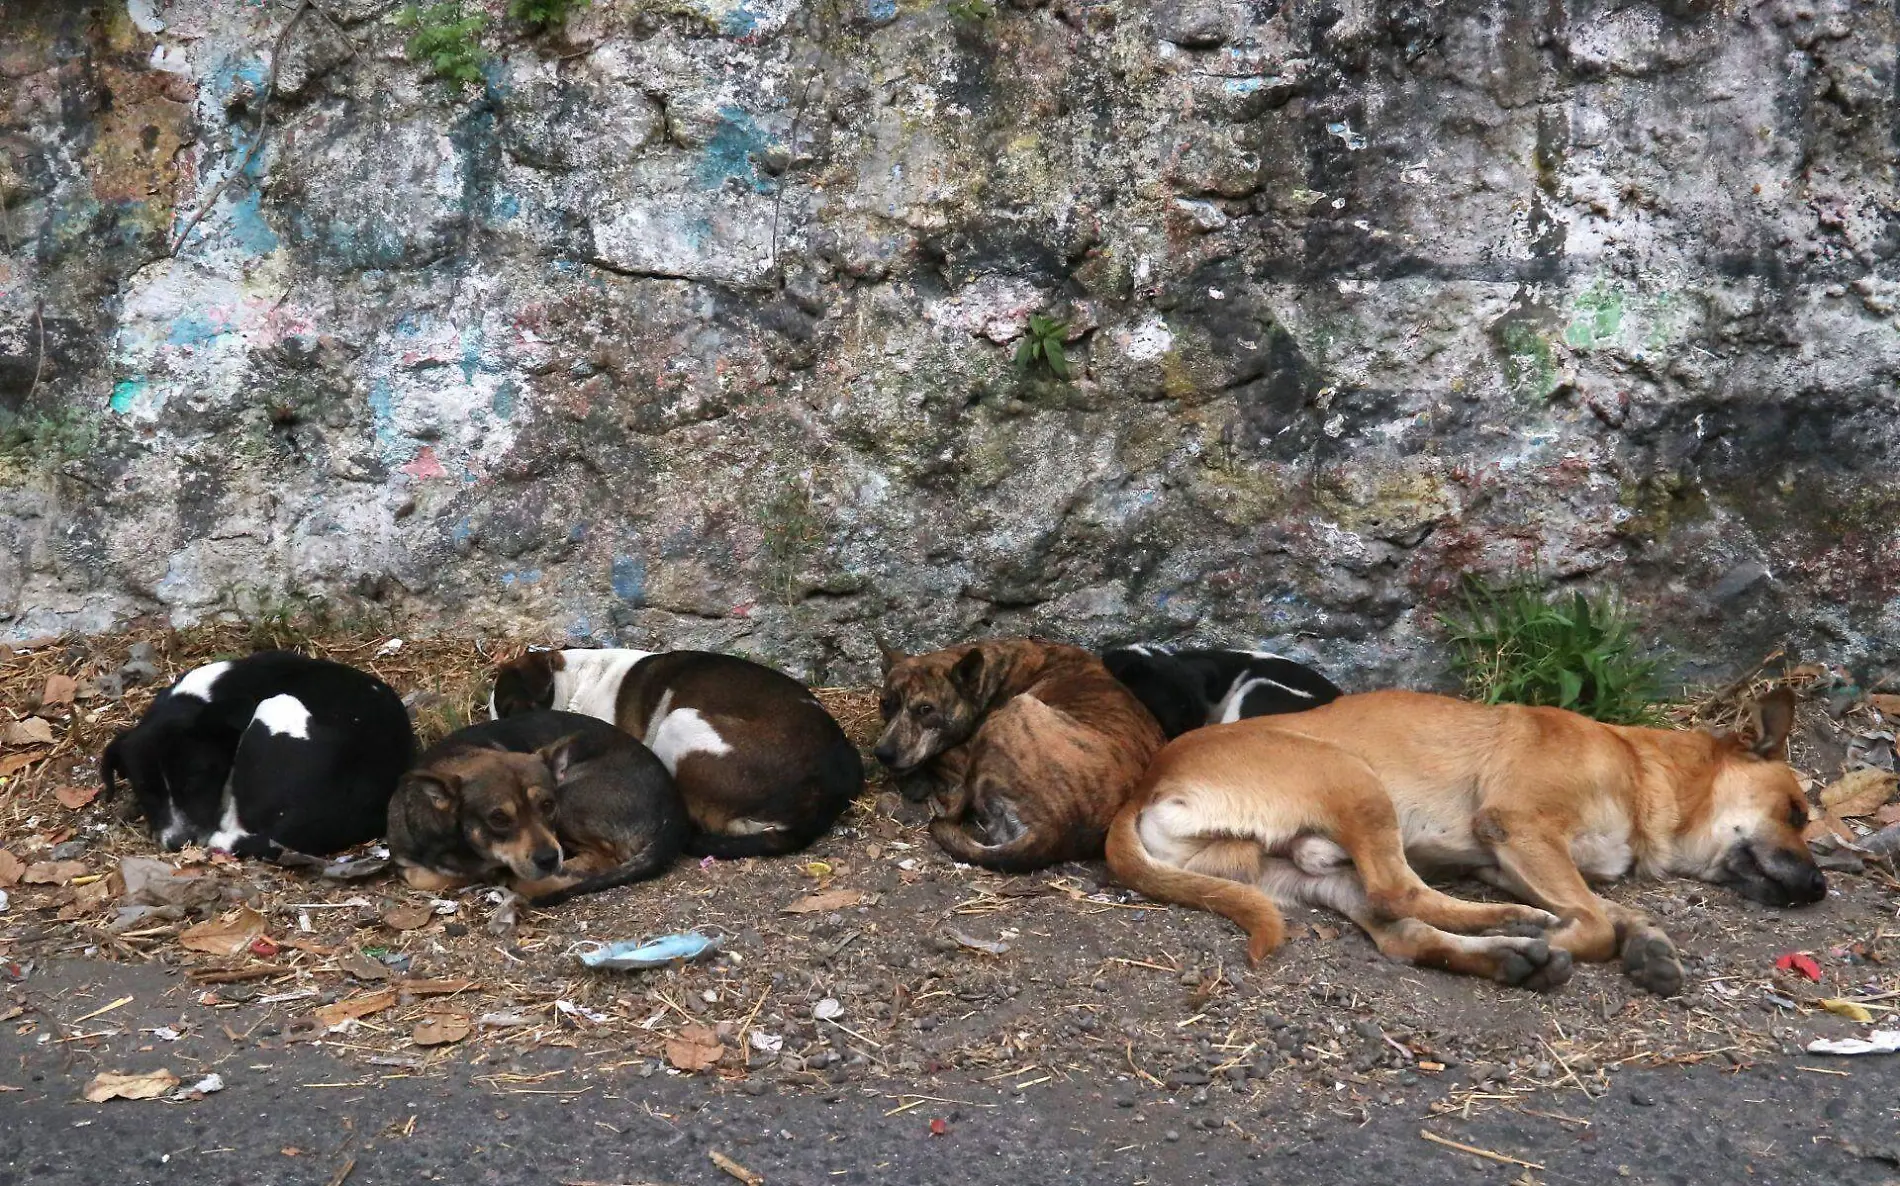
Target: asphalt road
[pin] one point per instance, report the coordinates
(295, 1114)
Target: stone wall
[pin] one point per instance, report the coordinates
(694, 324)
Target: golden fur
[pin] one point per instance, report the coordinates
(1341, 804)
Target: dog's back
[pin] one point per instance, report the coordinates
(1189, 688)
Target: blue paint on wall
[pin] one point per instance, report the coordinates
(629, 579)
(528, 577)
(738, 21)
(125, 393)
(503, 402)
(883, 12)
(382, 408)
(461, 531)
(471, 352)
(730, 153)
(248, 227)
(195, 329)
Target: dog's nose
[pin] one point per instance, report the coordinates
(547, 860)
(1816, 887)
(885, 753)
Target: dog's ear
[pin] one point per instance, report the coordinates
(1770, 720)
(967, 675)
(561, 756)
(443, 791)
(888, 657)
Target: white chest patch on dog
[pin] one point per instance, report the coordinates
(284, 715)
(197, 682)
(589, 680)
(230, 831)
(1603, 856)
(673, 735)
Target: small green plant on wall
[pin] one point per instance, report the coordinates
(443, 37)
(542, 15)
(1515, 645)
(1041, 347)
(971, 12)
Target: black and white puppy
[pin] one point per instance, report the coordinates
(1186, 689)
(272, 751)
(762, 768)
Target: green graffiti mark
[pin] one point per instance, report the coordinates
(1599, 315)
(1530, 369)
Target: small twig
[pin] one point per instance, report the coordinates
(343, 1171)
(257, 140)
(1448, 1143)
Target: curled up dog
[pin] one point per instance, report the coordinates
(1025, 749)
(554, 803)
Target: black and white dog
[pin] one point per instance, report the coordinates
(272, 751)
(1186, 689)
(762, 767)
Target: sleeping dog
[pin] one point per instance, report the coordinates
(264, 753)
(558, 803)
(1026, 749)
(762, 768)
(1186, 689)
(1339, 806)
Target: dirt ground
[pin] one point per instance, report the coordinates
(870, 961)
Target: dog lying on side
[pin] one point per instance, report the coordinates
(559, 803)
(1186, 689)
(272, 751)
(1026, 749)
(762, 768)
(1339, 805)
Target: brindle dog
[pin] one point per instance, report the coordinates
(1025, 749)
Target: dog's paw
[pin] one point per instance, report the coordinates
(1535, 965)
(1649, 959)
(1533, 924)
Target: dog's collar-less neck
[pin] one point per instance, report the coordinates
(588, 681)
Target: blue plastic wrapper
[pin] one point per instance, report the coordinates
(629, 954)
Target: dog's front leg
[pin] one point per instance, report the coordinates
(433, 882)
(1538, 867)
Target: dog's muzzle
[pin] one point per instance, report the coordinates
(1774, 876)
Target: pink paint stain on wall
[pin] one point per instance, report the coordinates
(425, 466)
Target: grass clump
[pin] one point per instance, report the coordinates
(1513, 644)
(542, 15)
(444, 38)
(1041, 347)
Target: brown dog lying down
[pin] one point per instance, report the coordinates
(1337, 806)
(1025, 749)
(555, 803)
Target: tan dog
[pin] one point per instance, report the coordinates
(1337, 805)
(1026, 749)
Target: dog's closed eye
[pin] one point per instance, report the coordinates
(500, 820)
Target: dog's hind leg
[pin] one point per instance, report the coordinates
(1525, 962)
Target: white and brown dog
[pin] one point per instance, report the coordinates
(1339, 805)
(762, 767)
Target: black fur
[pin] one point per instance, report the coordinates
(1187, 689)
(317, 794)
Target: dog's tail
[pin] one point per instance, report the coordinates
(644, 865)
(1246, 905)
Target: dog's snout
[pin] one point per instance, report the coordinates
(546, 860)
(1813, 887)
(885, 753)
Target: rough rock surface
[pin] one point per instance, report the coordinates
(694, 322)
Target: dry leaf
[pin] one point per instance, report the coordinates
(408, 918)
(76, 797)
(54, 872)
(1829, 825)
(434, 988)
(820, 903)
(228, 935)
(356, 1007)
(1325, 933)
(1859, 792)
(363, 967)
(1888, 705)
(108, 1085)
(1851, 1010)
(441, 1030)
(13, 763)
(12, 868)
(1890, 814)
(31, 731)
(694, 1048)
(59, 689)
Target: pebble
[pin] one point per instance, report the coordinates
(70, 850)
(1369, 1030)
(1171, 1135)
(454, 930)
(1642, 1099)
(1124, 1101)
(1198, 1097)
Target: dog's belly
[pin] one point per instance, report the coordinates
(1436, 845)
(1602, 856)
